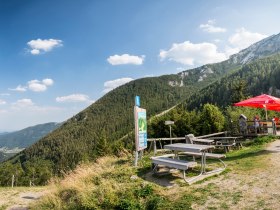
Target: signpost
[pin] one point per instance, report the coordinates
(169, 123)
(140, 118)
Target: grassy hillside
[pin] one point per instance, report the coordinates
(112, 183)
(2, 156)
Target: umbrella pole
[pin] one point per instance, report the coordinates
(265, 113)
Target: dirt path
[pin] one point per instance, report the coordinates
(18, 198)
(258, 188)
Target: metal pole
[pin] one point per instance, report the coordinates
(170, 134)
(155, 147)
(13, 180)
(136, 158)
(265, 113)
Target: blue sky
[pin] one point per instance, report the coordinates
(59, 56)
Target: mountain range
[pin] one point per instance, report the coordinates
(107, 123)
(27, 136)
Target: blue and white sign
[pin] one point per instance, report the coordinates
(142, 130)
(137, 101)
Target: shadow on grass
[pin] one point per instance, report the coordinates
(168, 177)
(162, 178)
(250, 154)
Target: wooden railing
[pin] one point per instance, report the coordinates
(154, 140)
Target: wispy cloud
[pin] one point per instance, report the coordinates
(2, 102)
(39, 46)
(211, 28)
(244, 38)
(5, 94)
(34, 85)
(74, 98)
(25, 102)
(27, 113)
(192, 54)
(19, 88)
(39, 86)
(112, 84)
(126, 59)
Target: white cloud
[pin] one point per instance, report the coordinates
(112, 84)
(126, 59)
(36, 86)
(231, 50)
(74, 98)
(5, 94)
(35, 52)
(193, 54)
(43, 45)
(26, 102)
(243, 38)
(2, 102)
(19, 88)
(47, 82)
(210, 28)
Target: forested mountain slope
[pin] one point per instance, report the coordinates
(260, 76)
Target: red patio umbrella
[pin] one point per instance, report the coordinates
(262, 101)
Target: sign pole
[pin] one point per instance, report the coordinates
(136, 158)
(170, 133)
(169, 123)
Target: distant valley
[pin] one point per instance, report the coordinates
(13, 142)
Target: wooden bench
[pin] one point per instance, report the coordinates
(173, 163)
(208, 155)
(191, 139)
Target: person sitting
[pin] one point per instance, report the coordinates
(257, 124)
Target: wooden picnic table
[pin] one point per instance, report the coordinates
(197, 148)
(228, 142)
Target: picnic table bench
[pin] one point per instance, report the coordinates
(173, 163)
(187, 149)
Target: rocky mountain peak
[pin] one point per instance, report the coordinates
(263, 48)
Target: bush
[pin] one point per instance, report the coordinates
(128, 204)
(263, 140)
(144, 192)
(154, 203)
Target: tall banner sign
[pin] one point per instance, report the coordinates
(140, 128)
